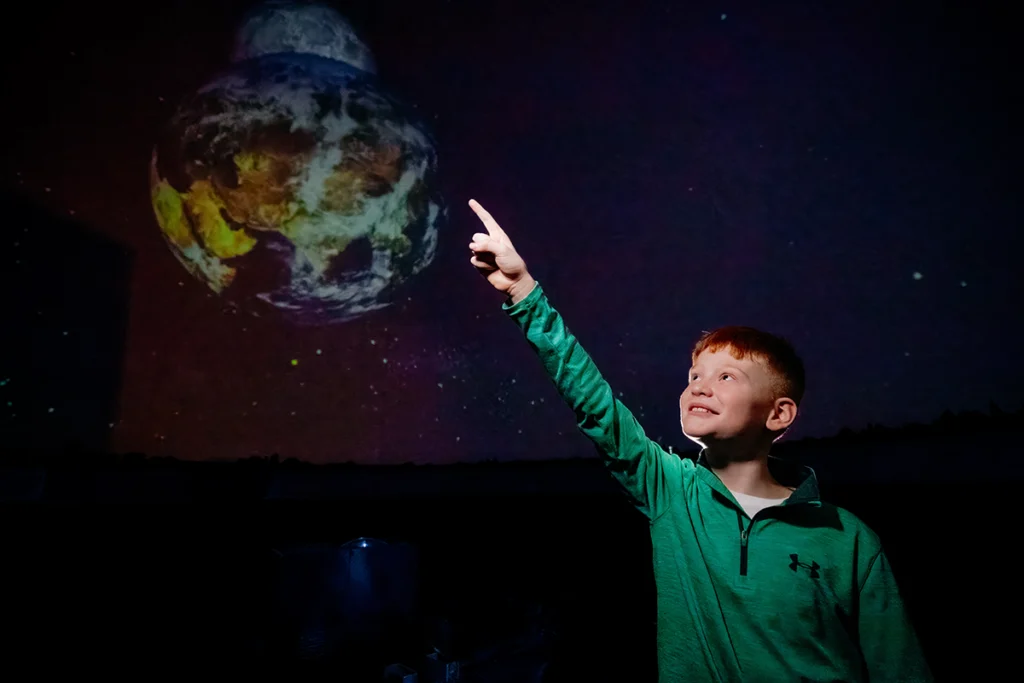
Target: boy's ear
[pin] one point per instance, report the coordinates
(783, 414)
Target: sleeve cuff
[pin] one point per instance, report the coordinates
(525, 303)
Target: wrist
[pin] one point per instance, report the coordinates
(519, 290)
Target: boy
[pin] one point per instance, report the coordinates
(757, 579)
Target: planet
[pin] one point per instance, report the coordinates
(294, 184)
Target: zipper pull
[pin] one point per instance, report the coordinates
(743, 537)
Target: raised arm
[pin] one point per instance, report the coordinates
(648, 474)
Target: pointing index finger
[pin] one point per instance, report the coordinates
(493, 229)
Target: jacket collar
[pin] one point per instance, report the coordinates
(802, 478)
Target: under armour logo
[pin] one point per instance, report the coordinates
(813, 567)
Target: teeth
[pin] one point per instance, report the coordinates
(701, 410)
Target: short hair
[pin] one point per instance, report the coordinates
(776, 355)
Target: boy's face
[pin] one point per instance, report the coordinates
(738, 392)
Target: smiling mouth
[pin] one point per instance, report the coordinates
(700, 411)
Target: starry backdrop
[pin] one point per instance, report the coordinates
(844, 174)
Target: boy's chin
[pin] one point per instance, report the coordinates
(699, 438)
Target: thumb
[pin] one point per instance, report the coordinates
(482, 242)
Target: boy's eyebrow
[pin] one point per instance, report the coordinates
(724, 367)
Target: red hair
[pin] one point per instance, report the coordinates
(775, 354)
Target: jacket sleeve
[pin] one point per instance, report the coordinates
(648, 474)
(887, 639)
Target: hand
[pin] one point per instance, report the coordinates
(496, 259)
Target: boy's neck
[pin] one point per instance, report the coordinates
(749, 476)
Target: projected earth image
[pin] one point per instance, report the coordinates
(294, 184)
